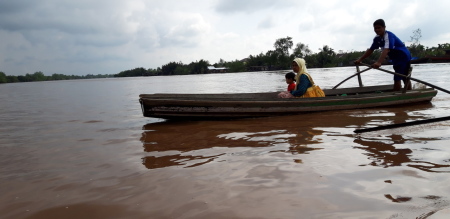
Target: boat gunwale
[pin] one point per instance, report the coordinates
(275, 100)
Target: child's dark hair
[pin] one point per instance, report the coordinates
(290, 75)
(379, 22)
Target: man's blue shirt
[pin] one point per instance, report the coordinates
(398, 52)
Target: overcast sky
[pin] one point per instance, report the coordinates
(108, 36)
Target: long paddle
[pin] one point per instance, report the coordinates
(406, 123)
(419, 122)
(414, 79)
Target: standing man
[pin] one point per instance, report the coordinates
(393, 47)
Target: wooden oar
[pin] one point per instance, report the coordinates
(419, 122)
(406, 123)
(414, 79)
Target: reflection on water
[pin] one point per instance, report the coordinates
(153, 162)
(385, 152)
(398, 198)
(187, 136)
(388, 150)
(308, 140)
(175, 143)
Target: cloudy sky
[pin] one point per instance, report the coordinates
(108, 36)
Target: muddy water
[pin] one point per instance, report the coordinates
(81, 149)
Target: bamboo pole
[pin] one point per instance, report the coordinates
(419, 122)
(359, 77)
(411, 78)
(406, 123)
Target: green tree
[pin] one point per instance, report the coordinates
(272, 59)
(282, 47)
(415, 38)
(236, 66)
(200, 67)
(169, 69)
(301, 50)
(348, 58)
(3, 78)
(258, 60)
(181, 70)
(57, 77)
(312, 61)
(221, 63)
(153, 72)
(38, 76)
(136, 72)
(325, 57)
(444, 46)
(416, 49)
(12, 79)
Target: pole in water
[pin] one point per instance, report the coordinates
(419, 122)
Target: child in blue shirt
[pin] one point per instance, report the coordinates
(393, 47)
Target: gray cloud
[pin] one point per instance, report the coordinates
(64, 22)
(250, 6)
(267, 23)
(108, 36)
(74, 31)
(12, 7)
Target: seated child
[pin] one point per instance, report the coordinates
(290, 80)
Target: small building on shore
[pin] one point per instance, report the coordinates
(212, 69)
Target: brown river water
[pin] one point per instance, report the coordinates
(82, 149)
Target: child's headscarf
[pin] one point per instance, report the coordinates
(302, 70)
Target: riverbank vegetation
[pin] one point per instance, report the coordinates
(279, 59)
(276, 59)
(39, 76)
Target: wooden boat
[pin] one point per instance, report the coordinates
(420, 60)
(440, 59)
(240, 105)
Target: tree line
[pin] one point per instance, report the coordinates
(39, 76)
(281, 56)
(277, 59)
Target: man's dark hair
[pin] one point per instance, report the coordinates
(379, 22)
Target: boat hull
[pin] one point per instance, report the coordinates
(215, 106)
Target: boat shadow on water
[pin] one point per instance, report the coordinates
(194, 143)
